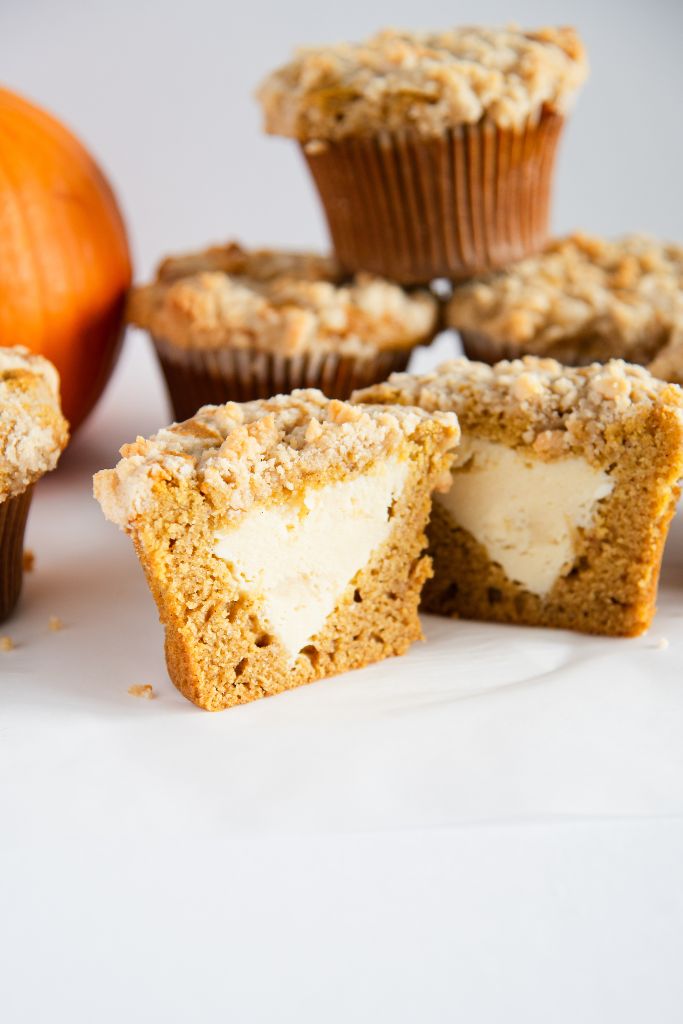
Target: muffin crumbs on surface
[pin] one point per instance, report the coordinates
(144, 690)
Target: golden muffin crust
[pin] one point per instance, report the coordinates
(279, 302)
(604, 298)
(240, 454)
(424, 81)
(33, 432)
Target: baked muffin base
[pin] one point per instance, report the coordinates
(197, 377)
(413, 208)
(13, 515)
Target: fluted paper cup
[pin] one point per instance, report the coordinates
(13, 515)
(196, 377)
(413, 209)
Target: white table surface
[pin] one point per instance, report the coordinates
(489, 827)
(488, 831)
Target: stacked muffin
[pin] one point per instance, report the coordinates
(433, 155)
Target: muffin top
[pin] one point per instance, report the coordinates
(240, 454)
(278, 302)
(628, 291)
(33, 431)
(536, 402)
(424, 81)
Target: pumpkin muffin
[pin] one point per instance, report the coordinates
(33, 434)
(283, 539)
(563, 489)
(583, 299)
(432, 152)
(230, 324)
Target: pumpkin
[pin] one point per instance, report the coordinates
(64, 259)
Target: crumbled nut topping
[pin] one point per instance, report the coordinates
(242, 454)
(144, 690)
(424, 81)
(33, 431)
(535, 402)
(628, 293)
(277, 302)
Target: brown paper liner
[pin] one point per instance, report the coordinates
(413, 209)
(196, 377)
(485, 349)
(13, 515)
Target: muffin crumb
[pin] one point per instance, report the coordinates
(144, 690)
(29, 560)
(6, 643)
(55, 624)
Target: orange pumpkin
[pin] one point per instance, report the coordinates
(64, 258)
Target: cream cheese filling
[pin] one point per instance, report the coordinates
(297, 560)
(524, 511)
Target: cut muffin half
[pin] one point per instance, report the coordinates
(283, 539)
(562, 493)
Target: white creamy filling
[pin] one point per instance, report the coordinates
(524, 511)
(297, 560)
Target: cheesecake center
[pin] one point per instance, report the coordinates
(524, 511)
(298, 559)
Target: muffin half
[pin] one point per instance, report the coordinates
(283, 540)
(432, 152)
(229, 324)
(33, 434)
(563, 489)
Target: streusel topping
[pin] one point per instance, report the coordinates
(241, 454)
(629, 292)
(33, 431)
(555, 409)
(285, 303)
(424, 81)
(258, 264)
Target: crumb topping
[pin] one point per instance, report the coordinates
(242, 454)
(282, 302)
(628, 292)
(538, 403)
(33, 431)
(144, 690)
(424, 81)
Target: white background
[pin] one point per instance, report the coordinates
(488, 830)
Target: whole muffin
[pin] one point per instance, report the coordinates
(584, 299)
(33, 434)
(229, 324)
(432, 152)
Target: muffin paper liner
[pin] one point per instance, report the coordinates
(196, 377)
(479, 346)
(13, 515)
(413, 209)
